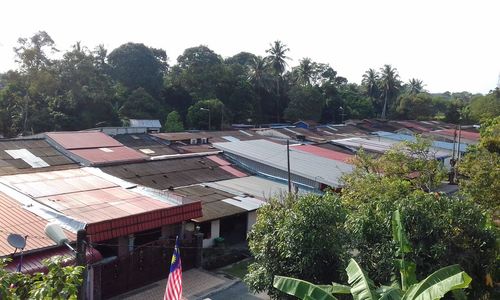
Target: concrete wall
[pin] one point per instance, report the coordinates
(215, 233)
(251, 219)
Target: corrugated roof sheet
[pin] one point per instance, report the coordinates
(100, 156)
(145, 123)
(254, 186)
(324, 152)
(145, 143)
(303, 164)
(164, 174)
(31, 155)
(181, 136)
(15, 219)
(469, 135)
(247, 203)
(83, 196)
(410, 138)
(83, 139)
(212, 203)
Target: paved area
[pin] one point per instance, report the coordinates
(196, 284)
(238, 291)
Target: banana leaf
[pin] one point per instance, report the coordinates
(301, 289)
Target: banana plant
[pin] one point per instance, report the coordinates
(361, 287)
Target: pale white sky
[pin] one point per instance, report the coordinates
(452, 45)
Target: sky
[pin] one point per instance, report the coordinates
(451, 45)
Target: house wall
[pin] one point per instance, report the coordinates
(215, 233)
(251, 219)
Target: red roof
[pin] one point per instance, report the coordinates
(233, 171)
(95, 147)
(83, 139)
(324, 152)
(104, 155)
(15, 219)
(465, 134)
(32, 263)
(85, 197)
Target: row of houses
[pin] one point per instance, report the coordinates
(134, 189)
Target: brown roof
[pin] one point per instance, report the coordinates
(15, 219)
(147, 144)
(83, 139)
(211, 202)
(180, 136)
(39, 148)
(164, 174)
(227, 135)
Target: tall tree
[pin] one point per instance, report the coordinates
(390, 84)
(415, 86)
(370, 82)
(305, 71)
(135, 66)
(277, 60)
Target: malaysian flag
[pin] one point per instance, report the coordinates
(174, 281)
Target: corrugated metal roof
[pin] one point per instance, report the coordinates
(164, 174)
(379, 146)
(469, 135)
(247, 203)
(100, 156)
(254, 186)
(86, 197)
(145, 143)
(212, 203)
(31, 155)
(83, 139)
(303, 164)
(324, 152)
(145, 123)
(410, 138)
(15, 219)
(181, 136)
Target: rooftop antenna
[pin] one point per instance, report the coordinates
(19, 242)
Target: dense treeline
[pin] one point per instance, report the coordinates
(88, 88)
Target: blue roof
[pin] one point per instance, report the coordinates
(411, 138)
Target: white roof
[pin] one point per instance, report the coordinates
(145, 123)
(247, 203)
(254, 186)
(303, 164)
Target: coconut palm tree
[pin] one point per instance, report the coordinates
(390, 84)
(370, 83)
(305, 71)
(277, 61)
(415, 86)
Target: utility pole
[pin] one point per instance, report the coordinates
(288, 167)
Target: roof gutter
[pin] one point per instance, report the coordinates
(179, 155)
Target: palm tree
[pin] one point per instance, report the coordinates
(370, 82)
(415, 86)
(389, 83)
(261, 79)
(277, 61)
(305, 71)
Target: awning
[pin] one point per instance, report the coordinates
(32, 263)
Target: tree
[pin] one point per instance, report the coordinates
(204, 111)
(305, 103)
(137, 66)
(444, 229)
(370, 82)
(480, 169)
(173, 123)
(390, 84)
(299, 236)
(415, 106)
(277, 60)
(415, 86)
(59, 283)
(140, 105)
(485, 107)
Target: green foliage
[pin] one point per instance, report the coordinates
(480, 168)
(173, 123)
(305, 103)
(484, 107)
(137, 66)
(59, 282)
(301, 289)
(299, 236)
(140, 105)
(198, 118)
(415, 106)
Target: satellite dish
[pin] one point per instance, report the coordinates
(16, 240)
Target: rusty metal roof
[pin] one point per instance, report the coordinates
(31, 155)
(170, 173)
(181, 136)
(212, 203)
(83, 139)
(109, 210)
(15, 219)
(100, 156)
(324, 152)
(146, 144)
